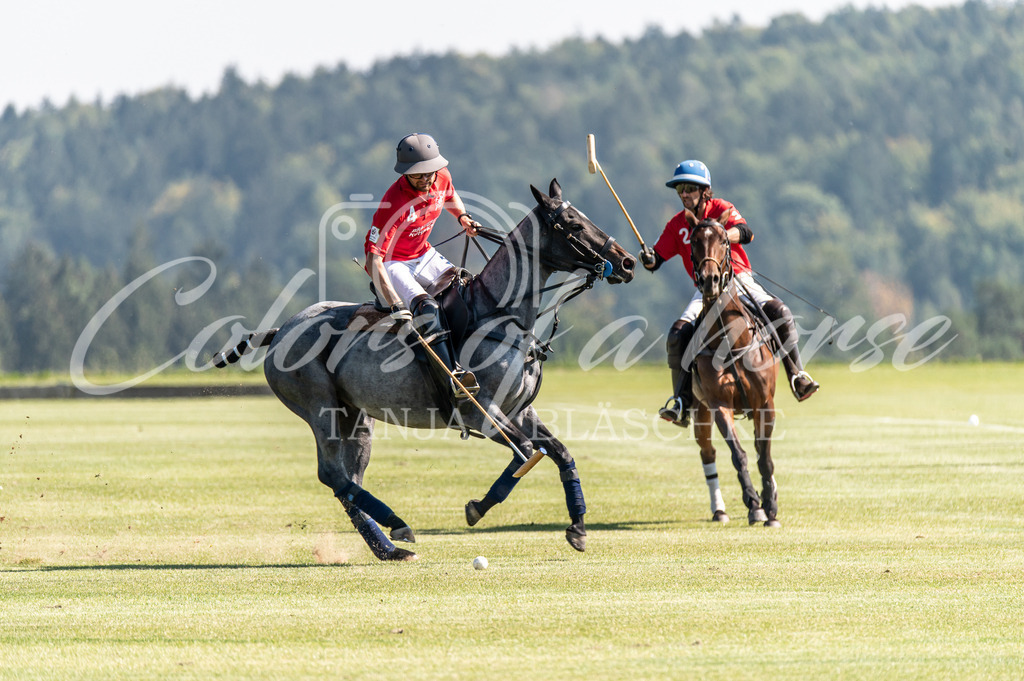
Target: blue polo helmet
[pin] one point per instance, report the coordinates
(694, 172)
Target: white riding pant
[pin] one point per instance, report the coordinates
(409, 277)
(753, 289)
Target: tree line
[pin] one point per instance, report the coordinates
(877, 155)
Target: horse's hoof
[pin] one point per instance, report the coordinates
(403, 534)
(720, 517)
(473, 514)
(757, 516)
(577, 537)
(401, 554)
(772, 523)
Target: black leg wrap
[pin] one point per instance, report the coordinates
(380, 545)
(503, 486)
(366, 502)
(574, 502)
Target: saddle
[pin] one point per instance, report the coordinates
(450, 291)
(762, 335)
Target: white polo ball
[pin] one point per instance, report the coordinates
(974, 420)
(480, 563)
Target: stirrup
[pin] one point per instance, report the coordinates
(468, 381)
(809, 387)
(675, 412)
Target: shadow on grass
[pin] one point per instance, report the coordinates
(626, 525)
(168, 566)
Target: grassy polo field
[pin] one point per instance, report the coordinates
(191, 539)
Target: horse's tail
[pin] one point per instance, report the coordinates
(251, 342)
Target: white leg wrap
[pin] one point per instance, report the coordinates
(711, 475)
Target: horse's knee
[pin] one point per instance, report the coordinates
(331, 475)
(559, 453)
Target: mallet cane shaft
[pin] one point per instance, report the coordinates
(594, 166)
(528, 463)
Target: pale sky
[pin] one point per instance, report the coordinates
(58, 48)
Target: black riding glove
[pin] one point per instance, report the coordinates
(648, 258)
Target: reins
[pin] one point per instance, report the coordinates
(599, 268)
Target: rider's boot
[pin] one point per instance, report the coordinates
(429, 321)
(677, 409)
(800, 382)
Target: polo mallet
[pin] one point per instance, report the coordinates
(528, 463)
(594, 166)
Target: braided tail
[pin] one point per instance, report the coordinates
(251, 342)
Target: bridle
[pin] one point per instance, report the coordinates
(593, 261)
(723, 265)
(587, 257)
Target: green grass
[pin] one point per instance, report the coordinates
(190, 539)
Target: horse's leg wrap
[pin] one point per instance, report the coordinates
(380, 545)
(499, 491)
(573, 491)
(576, 533)
(504, 485)
(714, 489)
(370, 505)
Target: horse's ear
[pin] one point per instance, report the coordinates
(690, 217)
(541, 199)
(555, 190)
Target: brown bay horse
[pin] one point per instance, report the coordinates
(734, 376)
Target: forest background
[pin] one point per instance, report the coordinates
(878, 157)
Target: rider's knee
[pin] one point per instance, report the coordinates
(776, 309)
(678, 338)
(423, 304)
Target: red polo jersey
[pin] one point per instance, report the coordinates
(675, 240)
(405, 217)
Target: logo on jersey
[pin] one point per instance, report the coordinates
(374, 234)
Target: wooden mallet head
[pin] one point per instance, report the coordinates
(592, 164)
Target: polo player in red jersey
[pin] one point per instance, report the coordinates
(692, 181)
(401, 261)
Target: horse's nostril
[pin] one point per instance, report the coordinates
(628, 263)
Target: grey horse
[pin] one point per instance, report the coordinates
(341, 367)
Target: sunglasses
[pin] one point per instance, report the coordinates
(418, 177)
(688, 188)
